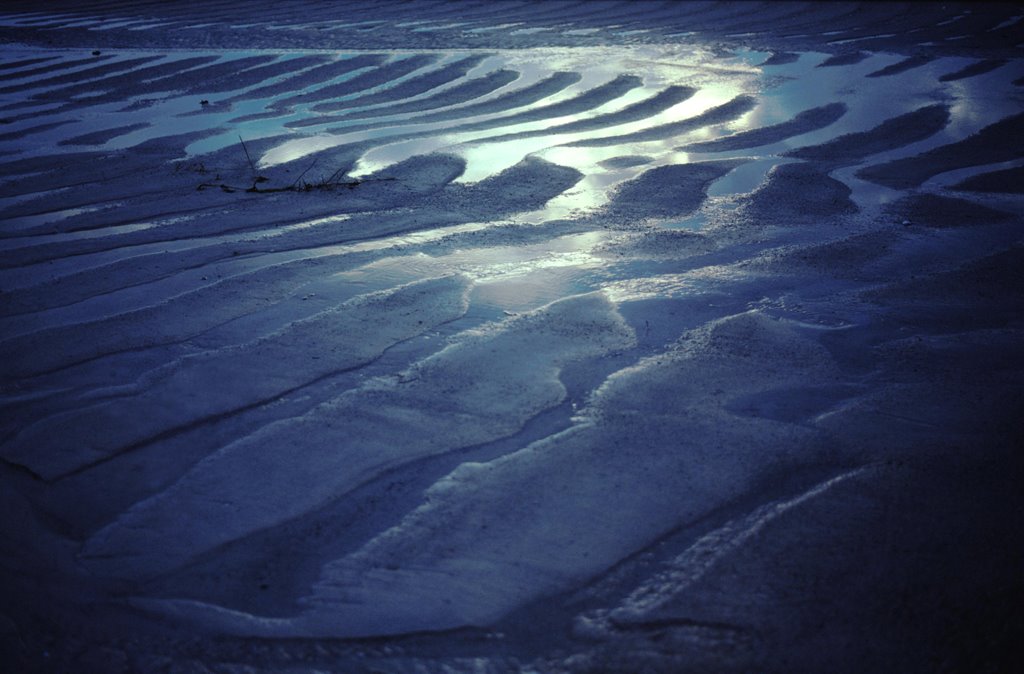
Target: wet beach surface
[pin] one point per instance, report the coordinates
(511, 337)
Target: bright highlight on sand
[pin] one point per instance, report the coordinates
(548, 338)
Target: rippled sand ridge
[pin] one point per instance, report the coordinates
(510, 336)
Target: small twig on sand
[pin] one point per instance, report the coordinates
(323, 185)
(304, 173)
(257, 178)
(330, 181)
(222, 186)
(246, 150)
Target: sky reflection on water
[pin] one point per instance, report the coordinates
(489, 144)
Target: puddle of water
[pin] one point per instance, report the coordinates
(782, 92)
(745, 178)
(519, 277)
(658, 68)
(950, 178)
(865, 194)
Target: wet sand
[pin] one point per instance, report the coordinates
(510, 337)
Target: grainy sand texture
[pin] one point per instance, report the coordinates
(511, 337)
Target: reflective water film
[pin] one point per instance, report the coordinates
(510, 337)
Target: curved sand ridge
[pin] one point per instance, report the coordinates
(468, 557)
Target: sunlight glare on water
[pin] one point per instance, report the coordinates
(658, 69)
